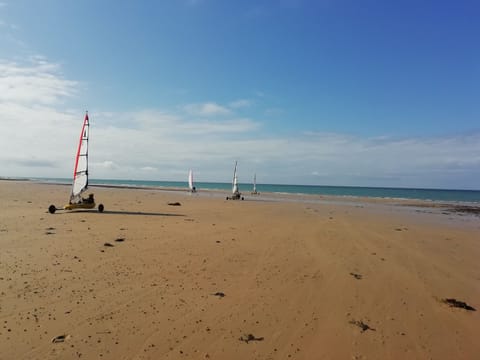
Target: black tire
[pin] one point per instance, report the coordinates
(226, 198)
(100, 208)
(242, 197)
(52, 209)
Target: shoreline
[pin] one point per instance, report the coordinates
(277, 194)
(463, 208)
(283, 196)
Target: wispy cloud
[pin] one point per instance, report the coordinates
(241, 103)
(206, 109)
(36, 82)
(273, 111)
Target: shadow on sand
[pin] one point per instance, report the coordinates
(118, 212)
(115, 212)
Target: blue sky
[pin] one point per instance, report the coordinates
(335, 92)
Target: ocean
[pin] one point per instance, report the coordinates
(463, 196)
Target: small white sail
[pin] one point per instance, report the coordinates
(254, 183)
(80, 172)
(235, 180)
(190, 181)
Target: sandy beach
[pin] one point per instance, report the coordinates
(217, 279)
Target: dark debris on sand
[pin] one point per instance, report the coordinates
(361, 325)
(356, 276)
(474, 210)
(107, 244)
(458, 304)
(120, 239)
(219, 294)
(250, 337)
(59, 339)
(50, 231)
(174, 204)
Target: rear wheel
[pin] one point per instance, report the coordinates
(51, 209)
(100, 208)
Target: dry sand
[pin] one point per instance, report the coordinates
(299, 279)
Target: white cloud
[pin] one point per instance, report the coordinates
(207, 109)
(39, 138)
(148, 168)
(213, 127)
(38, 83)
(107, 164)
(241, 103)
(274, 112)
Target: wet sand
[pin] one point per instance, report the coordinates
(217, 279)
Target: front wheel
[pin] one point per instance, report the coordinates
(100, 208)
(52, 209)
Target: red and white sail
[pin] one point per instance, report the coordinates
(80, 172)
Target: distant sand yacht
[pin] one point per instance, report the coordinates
(254, 191)
(236, 195)
(191, 186)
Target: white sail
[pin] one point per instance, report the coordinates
(235, 180)
(80, 172)
(254, 183)
(190, 180)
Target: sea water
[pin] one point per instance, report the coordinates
(471, 196)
